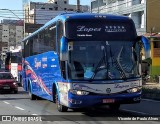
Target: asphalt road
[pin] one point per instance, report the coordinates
(20, 105)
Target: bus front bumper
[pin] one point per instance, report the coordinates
(75, 101)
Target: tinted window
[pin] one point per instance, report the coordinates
(100, 30)
(42, 42)
(6, 76)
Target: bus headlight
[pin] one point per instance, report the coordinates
(79, 92)
(133, 90)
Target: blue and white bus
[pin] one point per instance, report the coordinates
(82, 60)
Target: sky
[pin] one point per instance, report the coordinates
(17, 5)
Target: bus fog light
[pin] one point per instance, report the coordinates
(137, 99)
(73, 101)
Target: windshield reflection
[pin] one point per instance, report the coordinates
(104, 60)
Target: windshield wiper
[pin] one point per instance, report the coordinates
(105, 59)
(118, 67)
(100, 63)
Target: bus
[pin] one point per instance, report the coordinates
(80, 60)
(13, 63)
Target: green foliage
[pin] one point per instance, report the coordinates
(154, 78)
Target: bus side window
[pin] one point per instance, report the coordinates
(51, 36)
(63, 72)
(60, 34)
(35, 45)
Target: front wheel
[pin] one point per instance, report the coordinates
(61, 108)
(32, 96)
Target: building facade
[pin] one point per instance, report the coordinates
(38, 13)
(145, 13)
(155, 55)
(11, 34)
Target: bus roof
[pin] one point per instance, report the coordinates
(67, 16)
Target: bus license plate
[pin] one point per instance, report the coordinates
(6, 88)
(108, 100)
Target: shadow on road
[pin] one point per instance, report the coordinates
(92, 114)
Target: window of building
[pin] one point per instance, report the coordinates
(70, 10)
(156, 49)
(156, 44)
(18, 36)
(50, 8)
(42, 8)
(31, 16)
(65, 2)
(65, 8)
(56, 8)
(55, 2)
(18, 30)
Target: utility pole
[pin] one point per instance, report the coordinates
(98, 5)
(78, 6)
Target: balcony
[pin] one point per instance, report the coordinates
(123, 9)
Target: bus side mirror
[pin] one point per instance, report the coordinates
(64, 49)
(147, 48)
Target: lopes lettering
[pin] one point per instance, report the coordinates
(121, 86)
(85, 29)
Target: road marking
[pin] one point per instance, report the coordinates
(6, 102)
(134, 111)
(34, 114)
(151, 100)
(19, 108)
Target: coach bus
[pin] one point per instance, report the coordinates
(13, 63)
(84, 60)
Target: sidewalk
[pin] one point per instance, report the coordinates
(151, 90)
(151, 85)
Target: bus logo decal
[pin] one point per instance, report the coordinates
(108, 90)
(121, 86)
(115, 29)
(85, 29)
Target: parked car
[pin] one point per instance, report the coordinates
(7, 82)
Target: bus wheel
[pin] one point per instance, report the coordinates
(114, 106)
(32, 96)
(61, 108)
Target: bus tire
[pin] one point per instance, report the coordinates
(54, 93)
(61, 108)
(114, 106)
(32, 96)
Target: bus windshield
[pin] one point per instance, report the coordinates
(103, 60)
